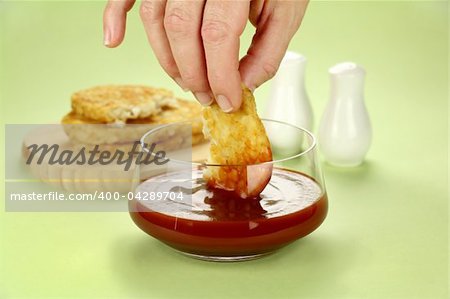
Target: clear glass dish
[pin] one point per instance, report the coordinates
(174, 205)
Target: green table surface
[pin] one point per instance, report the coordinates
(386, 235)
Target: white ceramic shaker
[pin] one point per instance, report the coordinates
(345, 132)
(289, 102)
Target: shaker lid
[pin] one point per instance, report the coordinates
(346, 69)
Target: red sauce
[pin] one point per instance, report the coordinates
(218, 223)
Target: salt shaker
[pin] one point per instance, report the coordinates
(289, 101)
(345, 131)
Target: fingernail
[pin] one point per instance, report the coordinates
(181, 84)
(252, 87)
(204, 98)
(224, 103)
(107, 38)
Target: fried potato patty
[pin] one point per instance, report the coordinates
(81, 129)
(239, 140)
(118, 103)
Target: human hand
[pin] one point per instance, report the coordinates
(197, 41)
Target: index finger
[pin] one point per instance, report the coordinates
(114, 21)
(273, 34)
(223, 24)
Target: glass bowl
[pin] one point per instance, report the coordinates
(173, 203)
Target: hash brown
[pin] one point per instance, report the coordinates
(237, 139)
(81, 129)
(118, 103)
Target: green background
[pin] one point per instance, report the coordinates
(386, 235)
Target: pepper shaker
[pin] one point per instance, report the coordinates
(289, 102)
(345, 131)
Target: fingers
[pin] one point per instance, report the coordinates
(114, 21)
(275, 29)
(152, 15)
(182, 23)
(256, 7)
(197, 44)
(223, 23)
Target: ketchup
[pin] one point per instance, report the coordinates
(214, 222)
